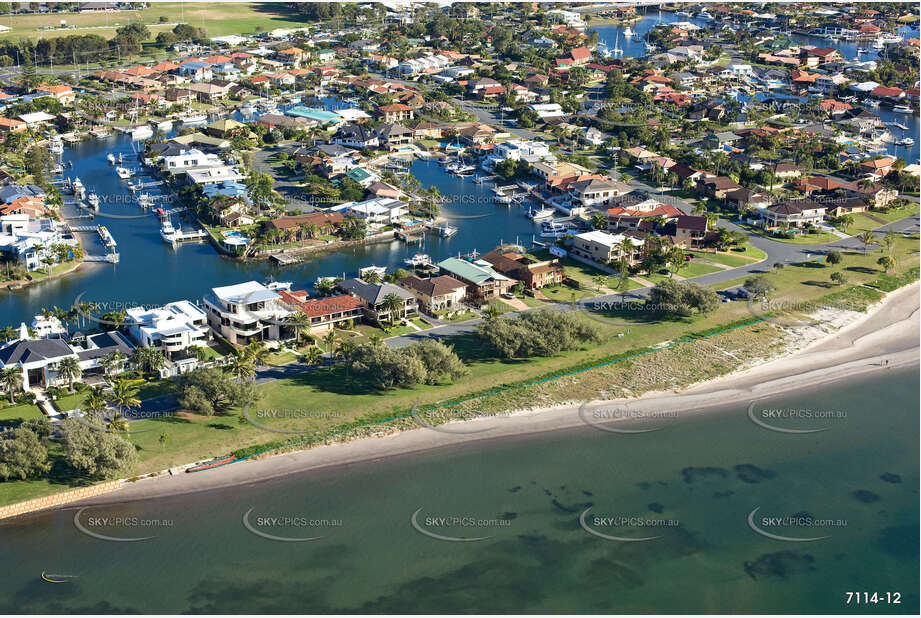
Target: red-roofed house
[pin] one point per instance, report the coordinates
(62, 93)
(396, 112)
(323, 313)
(575, 57)
(882, 92)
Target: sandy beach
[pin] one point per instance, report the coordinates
(886, 337)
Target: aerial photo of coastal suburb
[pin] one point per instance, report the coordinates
(440, 308)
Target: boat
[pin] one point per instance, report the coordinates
(193, 119)
(167, 231)
(444, 230)
(56, 147)
(628, 32)
(461, 169)
(119, 157)
(163, 125)
(543, 213)
(79, 189)
(93, 200)
(272, 284)
(141, 132)
(682, 14)
(902, 109)
(110, 158)
(552, 229)
(145, 200)
(106, 237)
(862, 50)
(124, 173)
(602, 50)
(872, 103)
(704, 16)
(906, 141)
(100, 133)
(419, 259)
(503, 199)
(616, 50)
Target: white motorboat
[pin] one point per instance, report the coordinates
(93, 200)
(901, 109)
(145, 200)
(444, 230)
(106, 237)
(194, 119)
(141, 132)
(56, 147)
(110, 158)
(124, 173)
(163, 125)
(419, 259)
(272, 284)
(628, 32)
(167, 232)
(602, 50)
(543, 213)
(79, 189)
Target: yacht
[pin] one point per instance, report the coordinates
(901, 109)
(543, 213)
(193, 119)
(862, 50)
(906, 141)
(141, 132)
(79, 189)
(106, 237)
(56, 147)
(168, 232)
(110, 158)
(163, 125)
(616, 50)
(872, 103)
(682, 14)
(124, 173)
(93, 200)
(272, 284)
(628, 32)
(705, 16)
(419, 259)
(603, 50)
(145, 200)
(459, 168)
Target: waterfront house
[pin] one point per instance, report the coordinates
(394, 136)
(323, 313)
(171, 329)
(793, 214)
(246, 312)
(436, 294)
(37, 358)
(378, 211)
(326, 222)
(374, 299)
(356, 136)
(602, 247)
(483, 282)
(534, 274)
(97, 346)
(597, 191)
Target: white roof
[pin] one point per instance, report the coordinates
(249, 292)
(36, 117)
(606, 239)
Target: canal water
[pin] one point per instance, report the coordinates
(689, 487)
(152, 272)
(610, 35)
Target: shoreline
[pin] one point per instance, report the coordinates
(21, 284)
(887, 332)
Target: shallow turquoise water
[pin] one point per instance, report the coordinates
(705, 472)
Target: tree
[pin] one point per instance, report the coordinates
(394, 306)
(113, 362)
(682, 298)
(11, 377)
(833, 257)
(125, 394)
(97, 454)
(839, 278)
(536, 333)
(297, 319)
(162, 440)
(676, 259)
(208, 391)
(867, 238)
(96, 401)
(758, 286)
(69, 369)
(887, 262)
(242, 366)
(599, 221)
(23, 454)
(312, 355)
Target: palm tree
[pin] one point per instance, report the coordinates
(256, 352)
(867, 238)
(8, 333)
(491, 312)
(393, 304)
(313, 355)
(242, 366)
(889, 241)
(330, 340)
(124, 394)
(112, 361)
(296, 320)
(96, 401)
(11, 378)
(372, 276)
(118, 422)
(69, 369)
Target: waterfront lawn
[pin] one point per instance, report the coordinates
(17, 413)
(696, 269)
(720, 258)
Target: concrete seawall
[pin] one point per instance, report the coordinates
(47, 502)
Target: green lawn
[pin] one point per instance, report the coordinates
(564, 293)
(18, 413)
(798, 239)
(895, 214)
(696, 269)
(422, 323)
(280, 358)
(749, 250)
(720, 258)
(461, 317)
(218, 19)
(69, 402)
